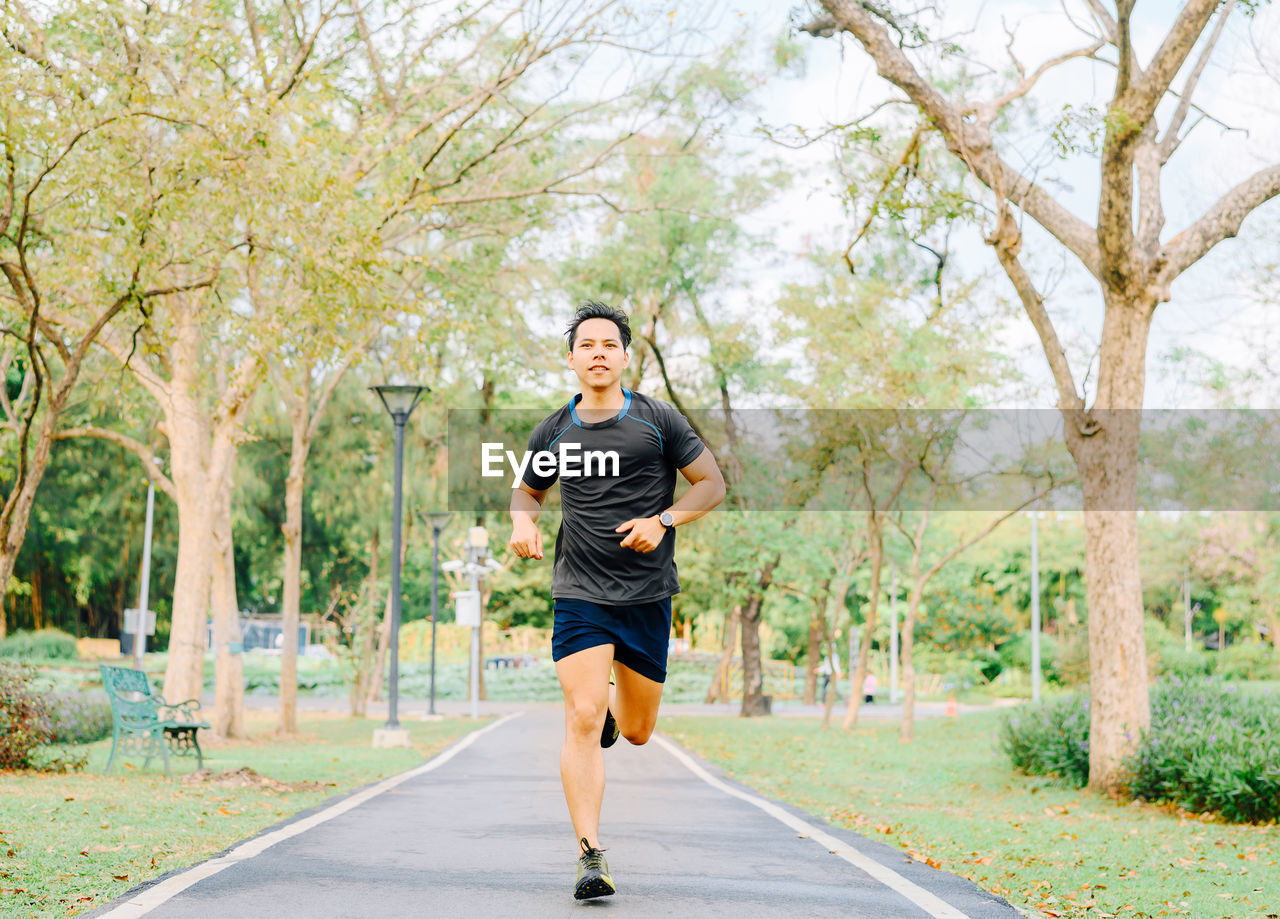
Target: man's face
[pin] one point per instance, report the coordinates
(597, 356)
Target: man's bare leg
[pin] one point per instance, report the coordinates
(584, 678)
(634, 703)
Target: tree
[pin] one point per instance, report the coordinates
(72, 245)
(1125, 251)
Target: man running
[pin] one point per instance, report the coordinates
(615, 570)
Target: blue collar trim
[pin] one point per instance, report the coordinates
(622, 412)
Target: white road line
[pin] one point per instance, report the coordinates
(152, 897)
(928, 902)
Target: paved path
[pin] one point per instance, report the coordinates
(414, 707)
(482, 831)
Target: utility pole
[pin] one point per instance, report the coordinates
(144, 591)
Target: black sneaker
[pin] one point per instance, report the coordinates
(609, 733)
(593, 874)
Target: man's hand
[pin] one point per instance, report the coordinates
(646, 533)
(526, 539)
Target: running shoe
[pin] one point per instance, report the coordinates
(609, 733)
(593, 874)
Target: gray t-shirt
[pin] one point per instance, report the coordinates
(610, 472)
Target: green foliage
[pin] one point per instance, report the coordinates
(1016, 654)
(1050, 739)
(51, 644)
(1250, 660)
(989, 663)
(1177, 661)
(26, 716)
(79, 719)
(1211, 749)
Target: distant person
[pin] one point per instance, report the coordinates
(869, 686)
(615, 570)
(830, 668)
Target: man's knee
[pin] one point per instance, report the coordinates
(638, 735)
(585, 713)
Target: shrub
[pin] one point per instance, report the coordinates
(77, 719)
(1176, 661)
(1251, 660)
(1210, 748)
(43, 643)
(1072, 659)
(25, 716)
(1051, 739)
(1016, 654)
(987, 664)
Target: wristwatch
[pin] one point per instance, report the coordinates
(666, 519)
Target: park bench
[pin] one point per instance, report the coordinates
(143, 724)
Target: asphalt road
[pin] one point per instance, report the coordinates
(482, 831)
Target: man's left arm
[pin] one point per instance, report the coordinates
(706, 491)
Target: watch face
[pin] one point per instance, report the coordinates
(666, 519)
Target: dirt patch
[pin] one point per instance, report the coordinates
(244, 777)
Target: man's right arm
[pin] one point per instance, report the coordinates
(526, 505)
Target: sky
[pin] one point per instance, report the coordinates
(1217, 309)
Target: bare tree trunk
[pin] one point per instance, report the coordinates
(814, 653)
(379, 672)
(228, 708)
(906, 648)
(187, 430)
(1108, 462)
(728, 641)
(876, 544)
(752, 669)
(291, 591)
(17, 511)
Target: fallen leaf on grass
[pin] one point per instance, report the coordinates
(121, 877)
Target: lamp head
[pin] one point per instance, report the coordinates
(399, 400)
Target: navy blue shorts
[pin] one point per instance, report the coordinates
(638, 632)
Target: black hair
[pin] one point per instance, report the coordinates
(594, 309)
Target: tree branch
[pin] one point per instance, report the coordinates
(1170, 141)
(1007, 241)
(1222, 221)
(1028, 83)
(1137, 102)
(972, 143)
(136, 447)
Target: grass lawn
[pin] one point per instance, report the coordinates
(952, 799)
(69, 843)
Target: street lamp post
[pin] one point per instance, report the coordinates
(400, 402)
(470, 612)
(144, 592)
(438, 521)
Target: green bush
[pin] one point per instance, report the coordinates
(1016, 655)
(1071, 662)
(1176, 661)
(26, 715)
(1246, 661)
(77, 719)
(44, 643)
(1210, 748)
(1050, 739)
